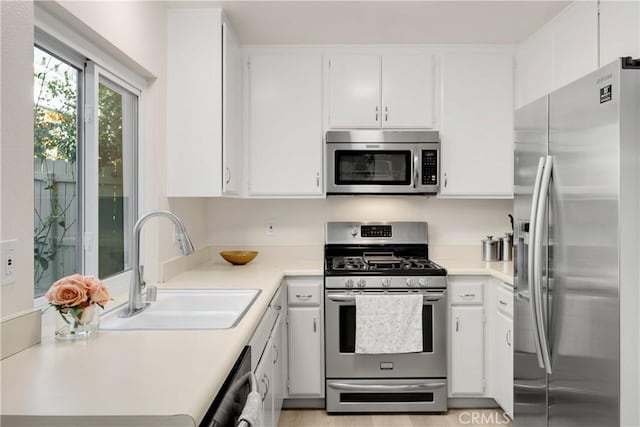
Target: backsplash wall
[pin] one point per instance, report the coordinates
(240, 222)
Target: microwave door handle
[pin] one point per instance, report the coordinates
(416, 170)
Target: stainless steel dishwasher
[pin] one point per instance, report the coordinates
(228, 404)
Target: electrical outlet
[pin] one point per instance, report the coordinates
(8, 259)
(270, 228)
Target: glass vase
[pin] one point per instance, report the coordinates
(78, 324)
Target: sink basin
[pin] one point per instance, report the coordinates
(186, 309)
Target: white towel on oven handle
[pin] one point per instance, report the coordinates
(387, 324)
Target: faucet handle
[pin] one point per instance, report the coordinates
(141, 277)
(152, 293)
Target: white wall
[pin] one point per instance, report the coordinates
(238, 222)
(16, 161)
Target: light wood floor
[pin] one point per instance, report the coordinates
(454, 418)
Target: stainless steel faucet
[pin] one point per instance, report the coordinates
(137, 280)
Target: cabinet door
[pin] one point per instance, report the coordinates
(232, 108)
(504, 363)
(354, 91)
(264, 375)
(467, 350)
(619, 30)
(407, 91)
(278, 380)
(477, 125)
(534, 76)
(194, 110)
(305, 352)
(575, 42)
(285, 125)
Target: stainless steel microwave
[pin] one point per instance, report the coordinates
(383, 162)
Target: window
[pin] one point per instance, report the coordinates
(85, 167)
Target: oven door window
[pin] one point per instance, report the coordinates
(347, 327)
(354, 167)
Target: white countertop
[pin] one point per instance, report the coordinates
(132, 377)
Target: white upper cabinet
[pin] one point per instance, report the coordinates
(367, 91)
(407, 91)
(575, 42)
(619, 30)
(477, 125)
(354, 83)
(566, 48)
(534, 75)
(202, 67)
(285, 125)
(232, 160)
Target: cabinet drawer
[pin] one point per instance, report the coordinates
(504, 300)
(304, 292)
(466, 293)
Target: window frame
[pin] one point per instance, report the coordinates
(55, 37)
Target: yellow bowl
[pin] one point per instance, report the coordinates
(238, 257)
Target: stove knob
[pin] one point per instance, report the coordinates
(362, 283)
(411, 282)
(354, 232)
(386, 283)
(348, 283)
(422, 282)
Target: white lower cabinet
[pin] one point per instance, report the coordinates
(466, 337)
(268, 348)
(305, 356)
(306, 351)
(503, 347)
(264, 374)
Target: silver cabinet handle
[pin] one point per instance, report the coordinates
(265, 380)
(524, 295)
(376, 113)
(467, 296)
(318, 179)
(275, 359)
(537, 273)
(508, 337)
(227, 175)
(305, 297)
(315, 326)
(502, 302)
(277, 307)
(445, 179)
(457, 324)
(377, 387)
(531, 259)
(386, 113)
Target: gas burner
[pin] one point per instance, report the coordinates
(348, 263)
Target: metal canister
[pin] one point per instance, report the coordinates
(490, 249)
(506, 247)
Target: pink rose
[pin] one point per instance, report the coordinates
(90, 283)
(75, 279)
(99, 294)
(68, 294)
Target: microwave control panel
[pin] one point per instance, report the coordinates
(429, 167)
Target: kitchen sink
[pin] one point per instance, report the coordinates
(186, 309)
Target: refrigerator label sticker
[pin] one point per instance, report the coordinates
(605, 94)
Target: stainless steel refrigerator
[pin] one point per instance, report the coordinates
(577, 234)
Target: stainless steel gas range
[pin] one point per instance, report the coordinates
(378, 259)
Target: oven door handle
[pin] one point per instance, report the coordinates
(380, 387)
(435, 296)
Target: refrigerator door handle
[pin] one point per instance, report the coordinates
(531, 259)
(537, 270)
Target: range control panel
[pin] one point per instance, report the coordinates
(429, 167)
(375, 231)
